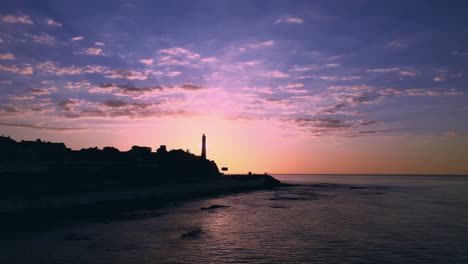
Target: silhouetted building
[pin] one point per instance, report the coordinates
(203, 151)
(6, 140)
(39, 146)
(140, 150)
(162, 149)
(110, 150)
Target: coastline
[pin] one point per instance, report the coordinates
(33, 211)
(45, 183)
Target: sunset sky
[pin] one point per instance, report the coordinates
(276, 86)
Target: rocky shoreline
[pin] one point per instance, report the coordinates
(45, 182)
(104, 205)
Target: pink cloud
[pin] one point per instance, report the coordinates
(210, 60)
(258, 90)
(126, 74)
(77, 85)
(403, 72)
(77, 38)
(407, 73)
(384, 70)
(444, 75)
(180, 52)
(43, 38)
(147, 61)
(451, 134)
(173, 73)
(173, 62)
(275, 74)
(7, 56)
(53, 23)
(297, 68)
(93, 51)
(53, 68)
(250, 63)
(294, 85)
(268, 43)
(18, 19)
(336, 78)
(23, 97)
(25, 70)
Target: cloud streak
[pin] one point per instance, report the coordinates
(43, 38)
(289, 20)
(78, 38)
(403, 72)
(16, 19)
(52, 23)
(7, 56)
(41, 127)
(93, 52)
(24, 70)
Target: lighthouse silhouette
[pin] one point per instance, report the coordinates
(203, 150)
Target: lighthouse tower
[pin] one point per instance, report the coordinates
(203, 150)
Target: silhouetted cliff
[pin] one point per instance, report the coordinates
(38, 166)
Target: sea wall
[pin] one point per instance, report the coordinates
(222, 184)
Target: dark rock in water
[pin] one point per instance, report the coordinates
(214, 206)
(294, 195)
(195, 233)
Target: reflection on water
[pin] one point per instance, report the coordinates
(359, 219)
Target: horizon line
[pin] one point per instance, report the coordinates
(375, 174)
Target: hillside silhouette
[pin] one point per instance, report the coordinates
(28, 167)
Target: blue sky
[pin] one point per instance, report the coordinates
(311, 69)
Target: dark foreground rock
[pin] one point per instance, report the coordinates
(214, 206)
(195, 233)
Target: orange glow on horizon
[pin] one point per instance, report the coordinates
(263, 146)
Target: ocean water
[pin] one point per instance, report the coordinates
(327, 219)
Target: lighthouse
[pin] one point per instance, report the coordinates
(203, 150)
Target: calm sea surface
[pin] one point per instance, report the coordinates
(328, 219)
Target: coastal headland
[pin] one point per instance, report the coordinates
(43, 178)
